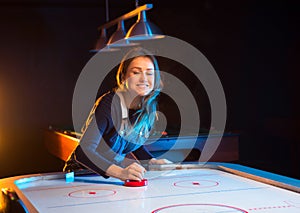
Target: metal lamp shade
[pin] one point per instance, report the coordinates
(101, 44)
(143, 29)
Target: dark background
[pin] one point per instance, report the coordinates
(253, 46)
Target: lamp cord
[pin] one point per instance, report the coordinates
(106, 11)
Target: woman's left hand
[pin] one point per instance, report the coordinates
(159, 161)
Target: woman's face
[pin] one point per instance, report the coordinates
(140, 76)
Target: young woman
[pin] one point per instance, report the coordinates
(122, 119)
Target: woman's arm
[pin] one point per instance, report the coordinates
(144, 155)
(101, 159)
(86, 153)
(99, 122)
(159, 161)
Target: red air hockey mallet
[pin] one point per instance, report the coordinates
(136, 183)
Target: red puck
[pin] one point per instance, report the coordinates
(136, 183)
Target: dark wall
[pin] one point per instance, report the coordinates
(253, 46)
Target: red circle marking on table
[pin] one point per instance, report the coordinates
(199, 205)
(197, 183)
(92, 193)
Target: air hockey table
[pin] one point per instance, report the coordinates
(187, 187)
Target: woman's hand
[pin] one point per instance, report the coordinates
(132, 172)
(159, 161)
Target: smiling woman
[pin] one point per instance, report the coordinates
(121, 120)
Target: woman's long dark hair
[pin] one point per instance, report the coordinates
(147, 113)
